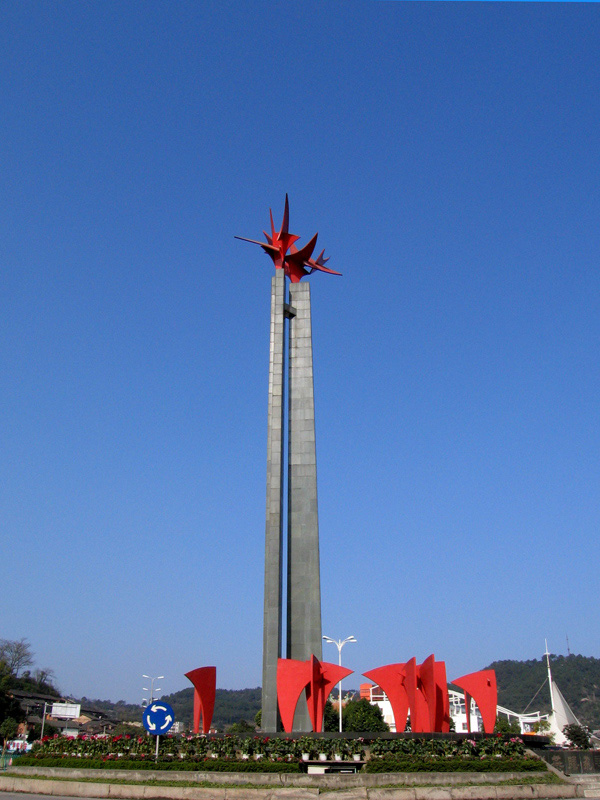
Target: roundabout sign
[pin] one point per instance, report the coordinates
(158, 718)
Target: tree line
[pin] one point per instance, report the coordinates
(15, 657)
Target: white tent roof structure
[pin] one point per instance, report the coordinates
(561, 714)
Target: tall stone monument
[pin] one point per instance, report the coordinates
(291, 332)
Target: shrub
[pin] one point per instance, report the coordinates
(403, 764)
(578, 736)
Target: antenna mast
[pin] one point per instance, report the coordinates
(547, 654)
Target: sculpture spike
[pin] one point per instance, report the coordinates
(286, 216)
(306, 252)
(266, 246)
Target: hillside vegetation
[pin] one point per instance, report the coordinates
(578, 678)
(231, 705)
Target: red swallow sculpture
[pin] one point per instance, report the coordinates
(281, 247)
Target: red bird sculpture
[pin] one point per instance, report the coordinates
(281, 248)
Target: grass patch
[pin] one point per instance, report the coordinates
(200, 765)
(528, 780)
(547, 778)
(150, 782)
(404, 764)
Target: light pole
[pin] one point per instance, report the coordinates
(43, 720)
(151, 689)
(339, 643)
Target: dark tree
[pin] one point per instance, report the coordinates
(241, 728)
(504, 726)
(331, 720)
(121, 729)
(8, 729)
(35, 731)
(44, 677)
(9, 707)
(361, 716)
(16, 655)
(578, 736)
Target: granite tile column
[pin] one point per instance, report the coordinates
(273, 529)
(304, 583)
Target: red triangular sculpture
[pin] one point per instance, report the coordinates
(420, 688)
(442, 709)
(427, 686)
(292, 677)
(317, 678)
(482, 687)
(204, 680)
(391, 678)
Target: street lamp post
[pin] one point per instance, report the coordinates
(43, 720)
(151, 689)
(339, 643)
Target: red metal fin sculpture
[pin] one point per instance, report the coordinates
(280, 247)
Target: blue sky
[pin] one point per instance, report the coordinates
(448, 154)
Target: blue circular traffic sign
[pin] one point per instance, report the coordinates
(158, 717)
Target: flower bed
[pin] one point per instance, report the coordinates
(494, 746)
(263, 753)
(204, 765)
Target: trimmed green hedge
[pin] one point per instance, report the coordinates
(272, 748)
(391, 764)
(385, 764)
(201, 765)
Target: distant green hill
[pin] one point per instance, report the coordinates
(578, 678)
(119, 711)
(231, 705)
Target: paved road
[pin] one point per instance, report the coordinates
(21, 795)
